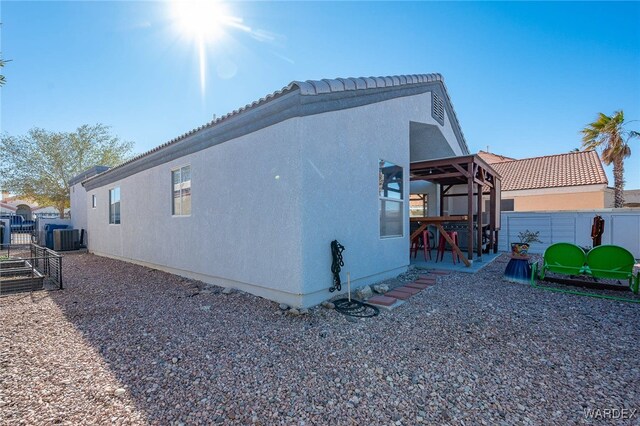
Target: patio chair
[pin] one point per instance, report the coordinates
(612, 262)
(561, 258)
(423, 241)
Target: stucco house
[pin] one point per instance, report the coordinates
(632, 197)
(571, 181)
(28, 209)
(253, 199)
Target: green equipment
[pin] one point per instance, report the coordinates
(602, 262)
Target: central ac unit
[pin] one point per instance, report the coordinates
(66, 239)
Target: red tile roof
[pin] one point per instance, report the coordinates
(492, 158)
(552, 171)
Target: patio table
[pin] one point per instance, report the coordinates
(437, 221)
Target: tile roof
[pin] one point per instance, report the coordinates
(317, 87)
(561, 170)
(95, 170)
(312, 88)
(492, 158)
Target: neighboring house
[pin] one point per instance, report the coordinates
(571, 181)
(632, 197)
(28, 209)
(253, 199)
(7, 208)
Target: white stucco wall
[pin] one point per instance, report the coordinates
(447, 131)
(340, 157)
(79, 206)
(244, 230)
(265, 206)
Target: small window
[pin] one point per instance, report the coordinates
(390, 191)
(114, 206)
(94, 201)
(181, 191)
(506, 205)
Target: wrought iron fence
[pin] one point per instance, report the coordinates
(29, 268)
(22, 231)
(48, 262)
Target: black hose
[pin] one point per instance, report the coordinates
(336, 264)
(355, 308)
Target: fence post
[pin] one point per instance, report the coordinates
(60, 270)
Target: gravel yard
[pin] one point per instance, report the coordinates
(124, 344)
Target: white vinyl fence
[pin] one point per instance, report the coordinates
(621, 228)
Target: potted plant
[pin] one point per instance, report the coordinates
(520, 250)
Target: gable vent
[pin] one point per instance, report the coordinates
(437, 107)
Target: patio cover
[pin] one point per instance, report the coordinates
(480, 179)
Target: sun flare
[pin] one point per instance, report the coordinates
(203, 23)
(201, 19)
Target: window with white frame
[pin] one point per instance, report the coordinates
(181, 191)
(94, 201)
(390, 190)
(114, 206)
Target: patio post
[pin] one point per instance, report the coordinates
(492, 219)
(470, 209)
(479, 220)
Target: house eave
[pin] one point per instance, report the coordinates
(296, 100)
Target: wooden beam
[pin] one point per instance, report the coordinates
(432, 220)
(453, 245)
(418, 231)
(442, 162)
(436, 176)
(483, 182)
(470, 211)
(461, 170)
(464, 195)
(492, 219)
(481, 174)
(479, 221)
(481, 163)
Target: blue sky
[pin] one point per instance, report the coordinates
(524, 77)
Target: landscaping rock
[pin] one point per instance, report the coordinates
(364, 292)
(293, 311)
(328, 305)
(227, 290)
(283, 306)
(381, 288)
(124, 346)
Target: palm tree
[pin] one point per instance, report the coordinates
(608, 133)
(2, 63)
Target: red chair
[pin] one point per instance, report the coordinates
(423, 239)
(442, 245)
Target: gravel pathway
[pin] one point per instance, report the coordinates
(123, 344)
